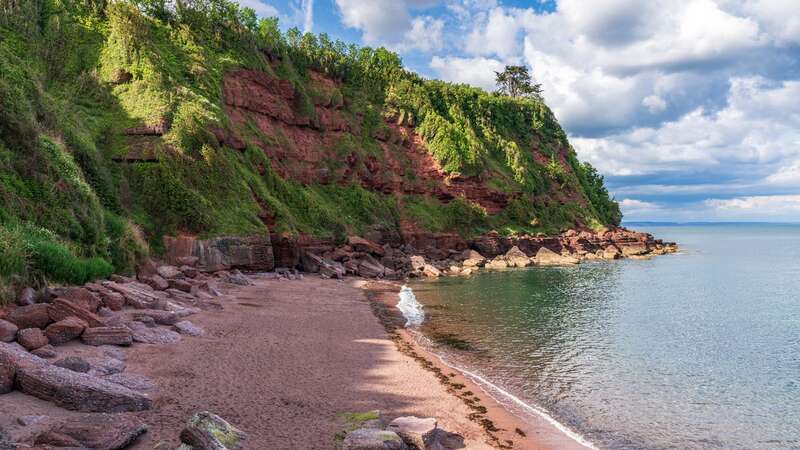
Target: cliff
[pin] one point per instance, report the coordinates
(124, 122)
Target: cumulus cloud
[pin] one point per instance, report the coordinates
(474, 71)
(756, 207)
(391, 23)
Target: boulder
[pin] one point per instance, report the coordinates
(611, 252)
(61, 309)
(67, 389)
(370, 268)
(7, 373)
(360, 244)
(158, 316)
(103, 366)
(310, 262)
(156, 282)
(207, 431)
(78, 296)
(139, 295)
(373, 439)
(33, 316)
(146, 335)
(431, 271)
(169, 272)
(181, 285)
(415, 431)
(73, 363)
(188, 328)
(189, 271)
(31, 338)
(417, 263)
(108, 336)
(113, 300)
(517, 258)
(331, 269)
(94, 431)
(65, 330)
(46, 352)
(8, 331)
(547, 257)
(497, 263)
(633, 249)
(26, 297)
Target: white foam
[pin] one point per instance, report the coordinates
(488, 386)
(410, 307)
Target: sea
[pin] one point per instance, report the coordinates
(698, 349)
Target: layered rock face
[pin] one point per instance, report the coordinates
(222, 253)
(404, 166)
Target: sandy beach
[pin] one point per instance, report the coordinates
(288, 361)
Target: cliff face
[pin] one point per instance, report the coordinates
(310, 151)
(120, 125)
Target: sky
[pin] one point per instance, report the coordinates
(689, 108)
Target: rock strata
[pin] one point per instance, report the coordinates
(67, 389)
(98, 336)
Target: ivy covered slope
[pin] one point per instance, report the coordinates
(123, 121)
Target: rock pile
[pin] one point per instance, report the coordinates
(366, 258)
(107, 314)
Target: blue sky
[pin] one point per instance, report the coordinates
(690, 108)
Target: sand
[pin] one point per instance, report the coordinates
(285, 360)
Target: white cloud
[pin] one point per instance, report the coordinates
(261, 8)
(756, 138)
(390, 23)
(474, 71)
(654, 104)
(772, 206)
(425, 34)
(308, 15)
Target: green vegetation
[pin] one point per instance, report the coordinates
(74, 74)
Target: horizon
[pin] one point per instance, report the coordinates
(698, 124)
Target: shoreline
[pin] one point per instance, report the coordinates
(499, 423)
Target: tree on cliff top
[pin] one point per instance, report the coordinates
(515, 81)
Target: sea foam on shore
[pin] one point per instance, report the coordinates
(410, 307)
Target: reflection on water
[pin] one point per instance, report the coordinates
(700, 349)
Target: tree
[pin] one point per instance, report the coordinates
(515, 81)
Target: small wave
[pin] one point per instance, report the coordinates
(410, 307)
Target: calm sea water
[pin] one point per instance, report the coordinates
(699, 349)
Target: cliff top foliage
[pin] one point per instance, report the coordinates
(75, 73)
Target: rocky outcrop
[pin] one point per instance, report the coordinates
(222, 253)
(547, 257)
(62, 309)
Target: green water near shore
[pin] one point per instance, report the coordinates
(695, 350)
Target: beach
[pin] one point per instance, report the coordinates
(288, 361)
